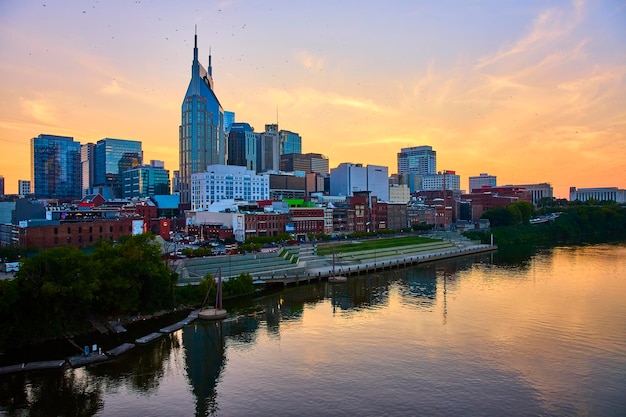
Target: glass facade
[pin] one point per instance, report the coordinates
(201, 132)
(56, 168)
(112, 157)
(290, 142)
(146, 181)
(242, 146)
(418, 159)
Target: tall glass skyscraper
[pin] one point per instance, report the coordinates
(418, 159)
(56, 169)
(113, 157)
(201, 132)
(242, 146)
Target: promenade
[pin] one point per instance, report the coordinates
(297, 264)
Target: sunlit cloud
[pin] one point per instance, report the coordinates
(40, 110)
(309, 61)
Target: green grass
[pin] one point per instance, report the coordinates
(372, 244)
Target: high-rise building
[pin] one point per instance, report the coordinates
(201, 132)
(418, 159)
(242, 146)
(87, 162)
(23, 187)
(269, 149)
(111, 158)
(483, 180)
(1, 185)
(146, 180)
(55, 169)
(347, 179)
(290, 142)
(229, 119)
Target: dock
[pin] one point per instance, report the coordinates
(149, 338)
(123, 348)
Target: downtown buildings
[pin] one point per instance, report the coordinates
(201, 131)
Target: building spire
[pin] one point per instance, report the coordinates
(195, 44)
(210, 69)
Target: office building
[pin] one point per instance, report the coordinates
(347, 178)
(418, 159)
(146, 180)
(447, 180)
(242, 146)
(112, 157)
(87, 162)
(227, 182)
(483, 180)
(201, 132)
(23, 187)
(229, 119)
(290, 142)
(55, 169)
(269, 149)
(1, 185)
(307, 163)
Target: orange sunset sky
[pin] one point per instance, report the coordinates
(529, 91)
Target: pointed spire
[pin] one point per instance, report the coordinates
(210, 69)
(195, 44)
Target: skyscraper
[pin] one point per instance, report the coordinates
(268, 154)
(113, 157)
(201, 132)
(290, 142)
(87, 161)
(242, 146)
(55, 168)
(418, 159)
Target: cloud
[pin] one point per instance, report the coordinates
(309, 61)
(550, 25)
(40, 110)
(113, 88)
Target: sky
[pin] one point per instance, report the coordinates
(529, 91)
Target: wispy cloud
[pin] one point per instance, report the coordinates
(551, 24)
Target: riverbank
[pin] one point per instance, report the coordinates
(114, 338)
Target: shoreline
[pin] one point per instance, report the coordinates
(312, 275)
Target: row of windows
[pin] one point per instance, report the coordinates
(80, 229)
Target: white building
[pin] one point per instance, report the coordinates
(436, 181)
(599, 194)
(399, 193)
(224, 182)
(349, 178)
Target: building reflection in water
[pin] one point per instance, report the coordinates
(203, 343)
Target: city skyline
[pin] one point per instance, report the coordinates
(530, 92)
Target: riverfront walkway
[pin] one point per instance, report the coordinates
(295, 264)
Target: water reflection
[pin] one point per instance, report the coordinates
(59, 393)
(204, 359)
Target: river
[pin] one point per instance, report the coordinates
(523, 333)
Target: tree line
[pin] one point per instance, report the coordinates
(577, 222)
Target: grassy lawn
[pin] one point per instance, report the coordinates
(371, 244)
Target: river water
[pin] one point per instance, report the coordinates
(504, 334)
